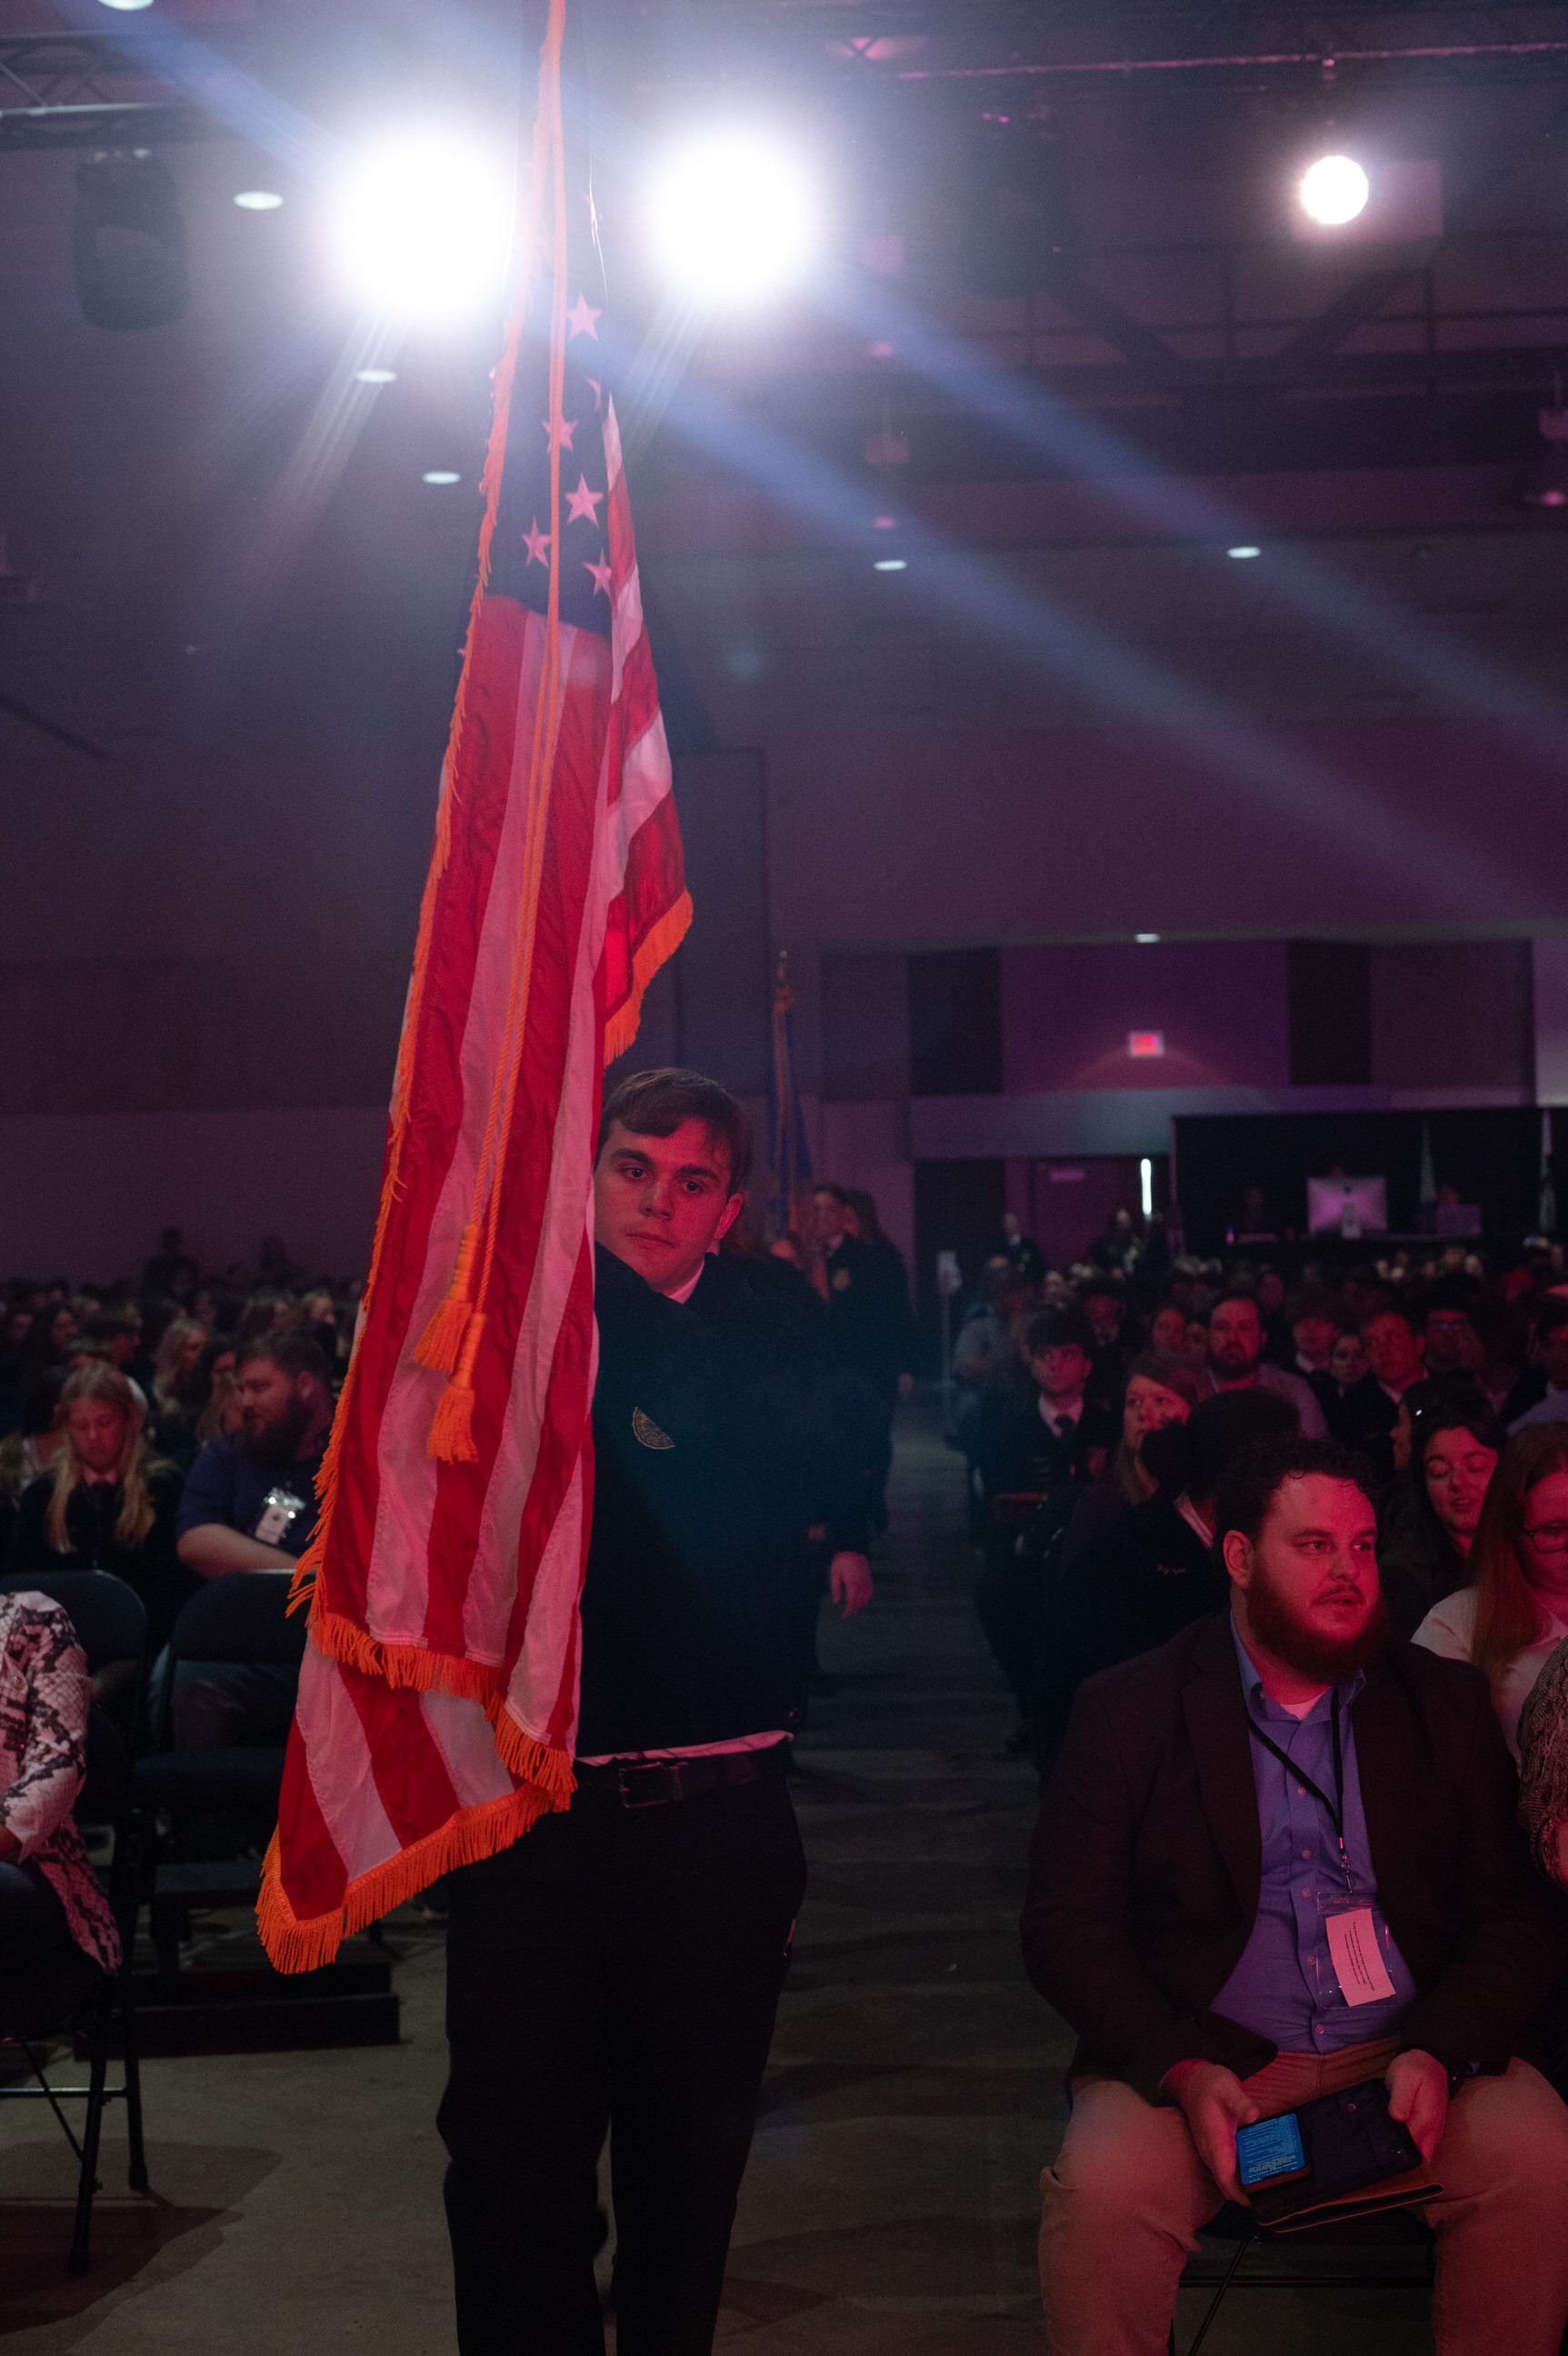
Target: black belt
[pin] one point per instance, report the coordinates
(652, 1783)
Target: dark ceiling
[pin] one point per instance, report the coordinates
(1065, 334)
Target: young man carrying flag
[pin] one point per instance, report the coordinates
(619, 1963)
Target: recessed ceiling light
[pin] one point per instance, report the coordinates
(258, 200)
(127, 6)
(375, 376)
(440, 474)
(890, 564)
(1241, 553)
(1145, 937)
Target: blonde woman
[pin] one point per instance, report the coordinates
(109, 1504)
(1514, 1614)
(180, 1393)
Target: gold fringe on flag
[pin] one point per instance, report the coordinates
(468, 1836)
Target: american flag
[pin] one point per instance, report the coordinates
(437, 1699)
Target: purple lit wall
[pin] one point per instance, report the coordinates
(1067, 1013)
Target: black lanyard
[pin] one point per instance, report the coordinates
(1334, 1807)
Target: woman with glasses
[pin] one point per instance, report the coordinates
(1428, 1519)
(1514, 1613)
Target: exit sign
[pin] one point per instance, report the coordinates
(1146, 1042)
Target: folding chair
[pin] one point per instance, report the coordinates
(1395, 2229)
(111, 1626)
(239, 1621)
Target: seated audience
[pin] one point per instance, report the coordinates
(1021, 1252)
(1454, 1346)
(1162, 1388)
(1103, 1301)
(47, 1342)
(1313, 1329)
(49, 1895)
(171, 1274)
(1153, 1573)
(1426, 1521)
(1514, 1614)
(1219, 1808)
(1236, 1361)
(178, 1392)
(1167, 1329)
(24, 1454)
(1034, 1440)
(1551, 1355)
(1396, 1354)
(109, 1504)
(115, 1334)
(1346, 1365)
(1034, 1449)
(216, 1400)
(250, 1506)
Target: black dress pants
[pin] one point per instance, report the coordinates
(619, 1967)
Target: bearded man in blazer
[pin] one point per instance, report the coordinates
(1229, 1817)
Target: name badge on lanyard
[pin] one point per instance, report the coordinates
(1356, 1953)
(1355, 1931)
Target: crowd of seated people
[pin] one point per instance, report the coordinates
(1271, 1658)
(168, 1431)
(1422, 1368)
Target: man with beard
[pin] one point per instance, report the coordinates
(1235, 1823)
(250, 1506)
(1236, 1361)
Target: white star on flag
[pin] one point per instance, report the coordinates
(583, 505)
(580, 319)
(568, 427)
(536, 542)
(601, 573)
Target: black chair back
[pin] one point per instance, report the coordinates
(106, 1786)
(108, 1616)
(243, 1617)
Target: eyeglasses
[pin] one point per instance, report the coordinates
(1548, 1538)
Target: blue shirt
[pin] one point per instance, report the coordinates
(225, 1484)
(1284, 1987)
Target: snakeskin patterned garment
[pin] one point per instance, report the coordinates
(1543, 1761)
(44, 1699)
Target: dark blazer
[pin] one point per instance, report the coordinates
(1144, 1873)
(715, 1457)
(1145, 1579)
(1016, 1451)
(1364, 1418)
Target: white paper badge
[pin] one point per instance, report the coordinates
(1359, 1964)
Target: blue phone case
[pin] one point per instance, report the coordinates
(1272, 2147)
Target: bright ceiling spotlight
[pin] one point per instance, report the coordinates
(258, 200)
(733, 219)
(422, 228)
(1334, 190)
(1243, 554)
(440, 474)
(375, 376)
(127, 6)
(890, 564)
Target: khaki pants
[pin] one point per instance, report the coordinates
(1121, 2205)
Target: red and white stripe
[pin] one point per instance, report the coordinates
(460, 1573)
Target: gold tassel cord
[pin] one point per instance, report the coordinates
(440, 1346)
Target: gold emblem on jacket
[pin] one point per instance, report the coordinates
(647, 1431)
